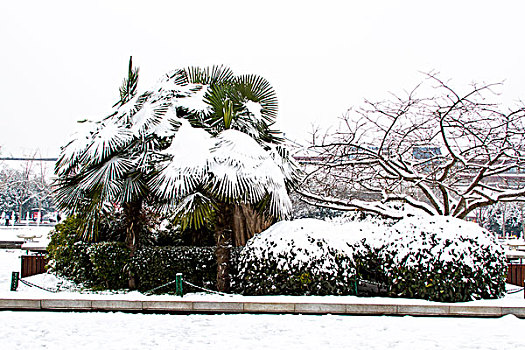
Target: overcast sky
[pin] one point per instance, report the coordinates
(61, 61)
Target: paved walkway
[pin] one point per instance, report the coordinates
(185, 306)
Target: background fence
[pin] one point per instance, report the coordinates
(33, 265)
(516, 274)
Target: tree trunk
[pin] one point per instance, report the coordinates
(133, 222)
(503, 228)
(223, 239)
(246, 223)
(522, 223)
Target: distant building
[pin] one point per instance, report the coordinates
(426, 152)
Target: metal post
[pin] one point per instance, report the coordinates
(178, 285)
(14, 281)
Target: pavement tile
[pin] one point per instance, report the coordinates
(168, 305)
(516, 311)
(66, 304)
(33, 304)
(269, 307)
(125, 305)
(218, 306)
(441, 310)
(371, 309)
(320, 308)
(456, 310)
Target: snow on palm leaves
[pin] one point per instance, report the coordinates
(243, 171)
(231, 167)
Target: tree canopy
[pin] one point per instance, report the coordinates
(434, 150)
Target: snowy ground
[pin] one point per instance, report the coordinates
(60, 330)
(17, 233)
(33, 330)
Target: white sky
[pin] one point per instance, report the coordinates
(61, 61)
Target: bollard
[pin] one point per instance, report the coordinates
(14, 281)
(178, 285)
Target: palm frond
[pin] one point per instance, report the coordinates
(71, 155)
(145, 120)
(183, 171)
(105, 174)
(209, 75)
(129, 85)
(242, 171)
(194, 210)
(107, 140)
(258, 90)
(173, 183)
(133, 187)
(68, 195)
(291, 170)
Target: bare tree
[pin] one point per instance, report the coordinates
(24, 186)
(434, 149)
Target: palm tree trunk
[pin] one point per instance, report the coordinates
(223, 239)
(247, 223)
(133, 222)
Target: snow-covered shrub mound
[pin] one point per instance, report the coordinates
(442, 259)
(434, 258)
(300, 257)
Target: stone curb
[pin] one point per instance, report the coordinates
(185, 306)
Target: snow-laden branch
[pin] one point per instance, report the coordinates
(438, 150)
(346, 205)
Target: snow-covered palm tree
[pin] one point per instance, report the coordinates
(108, 163)
(219, 173)
(130, 157)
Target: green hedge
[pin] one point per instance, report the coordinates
(106, 265)
(155, 266)
(72, 261)
(68, 255)
(110, 263)
(93, 265)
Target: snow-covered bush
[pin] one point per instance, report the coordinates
(434, 258)
(301, 257)
(72, 262)
(442, 259)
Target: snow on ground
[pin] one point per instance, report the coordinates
(57, 330)
(24, 233)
